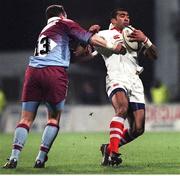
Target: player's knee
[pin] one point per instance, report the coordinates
(121, 111)
(26, 121)
(139, 131)
(27, 118)
(53, 121)
(54, 117)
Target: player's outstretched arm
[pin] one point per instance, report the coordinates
(83, 54)
(96, 40)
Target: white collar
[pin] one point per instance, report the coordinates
(53, 19)
(111, 26)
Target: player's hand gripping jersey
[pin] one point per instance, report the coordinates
(53, 43)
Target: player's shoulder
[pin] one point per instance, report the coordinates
(70, 23)
(67, 20)
(108, 32)
(105, 33)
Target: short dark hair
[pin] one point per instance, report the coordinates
(115, 12)
(54, 11)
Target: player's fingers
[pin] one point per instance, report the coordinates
(135, 32)
(94, 28)
(132, 39)
(132, 35)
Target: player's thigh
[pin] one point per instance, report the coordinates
(27, 117)
(120, 102)
(136, 115)
(130, 118)
(139, 118)
(29, 110)
(137, 91)
(32, 90)
(55, 84)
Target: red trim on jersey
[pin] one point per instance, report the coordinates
(145, 41)
(116, 84)
(116, 37)
(117, 29)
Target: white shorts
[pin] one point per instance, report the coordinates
(132, 85)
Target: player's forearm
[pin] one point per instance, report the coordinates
(151, 52)
(83, 54)
(99, 41)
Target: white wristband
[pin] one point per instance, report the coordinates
(109, 45)
(147, 43)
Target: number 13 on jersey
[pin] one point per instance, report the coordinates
(44, 46)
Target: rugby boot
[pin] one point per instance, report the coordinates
(105, 155)
(114, 159)
(10, 164)
(40, 164)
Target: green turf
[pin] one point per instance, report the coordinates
(78, 153)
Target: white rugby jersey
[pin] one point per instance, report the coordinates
(118, 64)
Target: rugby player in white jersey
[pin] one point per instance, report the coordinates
(46, 80)
(124, 87)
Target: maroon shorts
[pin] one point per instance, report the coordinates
(47, 84)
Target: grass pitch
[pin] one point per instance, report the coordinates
(78, 153)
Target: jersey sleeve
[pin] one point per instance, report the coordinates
(76, 31)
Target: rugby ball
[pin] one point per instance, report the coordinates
(134, 46)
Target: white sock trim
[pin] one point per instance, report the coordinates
(118, 119)
(115, 136)
(116, 129)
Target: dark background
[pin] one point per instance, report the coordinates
(22, 20)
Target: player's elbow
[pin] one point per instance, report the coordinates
(153, 56)
(140, 131)
(151, 53)
(93, 40)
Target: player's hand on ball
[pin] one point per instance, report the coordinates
(137, 35)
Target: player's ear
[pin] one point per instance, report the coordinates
(113, 21)
(62, 15)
